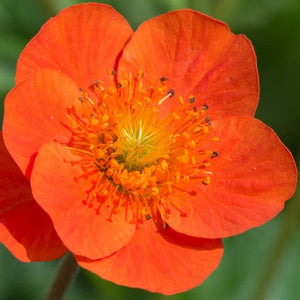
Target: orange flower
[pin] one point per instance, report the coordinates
(140, 148)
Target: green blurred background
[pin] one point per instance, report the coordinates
(263, 263)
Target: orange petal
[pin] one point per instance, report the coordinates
(35, 111)
(199, 55)
(83, 41)
(161, 261)
(25, 229)
(253, 176)
(82, 230)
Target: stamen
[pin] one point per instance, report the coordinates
(163, 78)
(214, 154)
(170, 94)
(192, 99)
(112, 72)
(204, 107)
(133, 158)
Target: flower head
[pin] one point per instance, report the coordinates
(141, 148)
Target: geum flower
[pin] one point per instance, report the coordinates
(140, 149)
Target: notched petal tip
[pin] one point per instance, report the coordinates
(199, 55)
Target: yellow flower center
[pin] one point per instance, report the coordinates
(131, 153)
(141, 139)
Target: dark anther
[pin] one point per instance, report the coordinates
(204, 107)
(162, 79)
(119, 85)
(101, 166)
(110, 150)
(101, 160)
(214, 154)
(92, 115)
(96, 83)
(115, 137)
(113, 72)
(165, 226)
(81, 90)
(147, 217)
(192, 99)
(207, 120)
(80, 99)
(101, 138)
(171, 92)
(204, 182)
(195, 108)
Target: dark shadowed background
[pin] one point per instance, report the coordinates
(261, 264)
